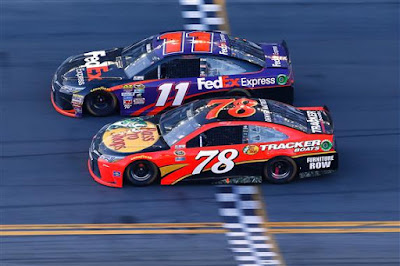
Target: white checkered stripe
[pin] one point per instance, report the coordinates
(247, 237)
(201, 15)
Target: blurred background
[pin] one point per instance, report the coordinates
(345, 55)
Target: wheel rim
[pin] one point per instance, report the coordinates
(280, 170)
(101, 101)
(141, 172)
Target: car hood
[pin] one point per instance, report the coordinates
(130, 136)
(92, 67)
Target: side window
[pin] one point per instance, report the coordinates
(257, 134)
(225, 66)
(180, 68)
(218, 136)
(152, 73)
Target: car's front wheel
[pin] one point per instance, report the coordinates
(280, 170)
(141, 173)
(101, 103)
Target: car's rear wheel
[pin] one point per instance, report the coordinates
(280, 170)
(101, 103)
(238, 92)
(141, 173)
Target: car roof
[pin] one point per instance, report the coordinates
(221, 45)
(264, 111)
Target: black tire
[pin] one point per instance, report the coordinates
(280, 170)
(101, 103)
(238, 92)
(141, 173)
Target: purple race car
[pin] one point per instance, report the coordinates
(169, 69)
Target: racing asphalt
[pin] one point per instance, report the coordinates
(345, 55)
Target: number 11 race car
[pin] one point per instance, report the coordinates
(169, 69)
(219, 140)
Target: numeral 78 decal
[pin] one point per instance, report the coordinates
(241, 107)
(223, 160)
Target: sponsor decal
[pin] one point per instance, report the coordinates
(275, 57)
(77, 99)
(281, 79)
(141, 157)
(219, 83)
(265, 110)
(79, 75)
(314, 118)
(98, 89)
(179, 153)
(321, 162)
(127, 87)
(109, 158)
(127, 101)
(127, 93)
(257, 82)
(275, 50)
(182, 146)
(130, 135)
(70, 89)
(300, 146)
(138, 77)
(179, 159)
(118, 62)
(226, 82)
(326, 145)
(223, 45)
(139, 88)
(138, 101)
(93, 66)
(78, 109)
(117, 173)
(251, 149)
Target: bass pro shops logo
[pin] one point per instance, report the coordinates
(93, 66)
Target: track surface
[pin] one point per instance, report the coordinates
(345, 56)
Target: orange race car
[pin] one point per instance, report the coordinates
(229, 140)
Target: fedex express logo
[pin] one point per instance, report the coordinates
(93, 66)
(226, 82)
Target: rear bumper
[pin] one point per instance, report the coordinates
(69, 112)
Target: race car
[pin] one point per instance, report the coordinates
(169, 69)
(226, 139)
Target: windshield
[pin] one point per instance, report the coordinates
(287, 115)
(138, 57)
(247, 50)
(178, 123)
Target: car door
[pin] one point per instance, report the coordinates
(177, 76)
(212, 153)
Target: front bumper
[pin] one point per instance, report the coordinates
(103, 172)
(98, 179)
(67, 112)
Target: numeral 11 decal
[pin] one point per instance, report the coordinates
(165, 91)
(174, 41)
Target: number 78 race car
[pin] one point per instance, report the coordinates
(223, 140)
(169, 69)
